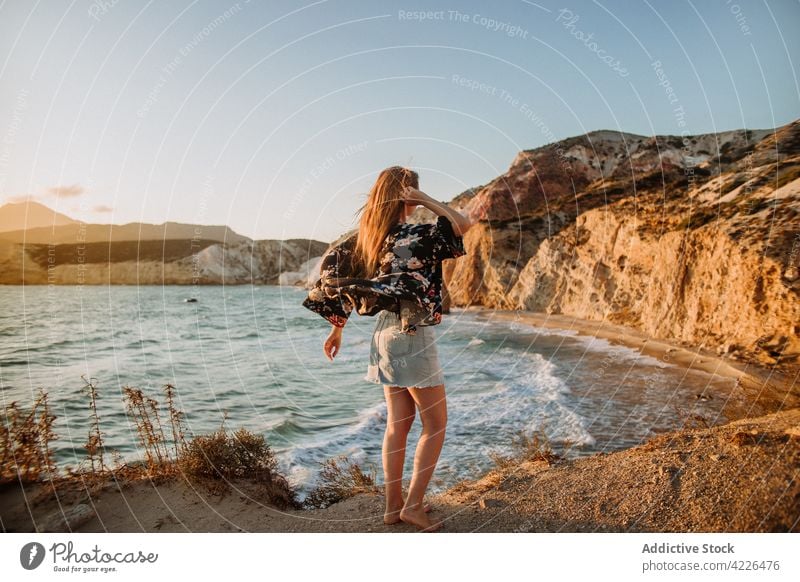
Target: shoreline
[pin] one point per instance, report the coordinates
(774, 389)
(738, 476)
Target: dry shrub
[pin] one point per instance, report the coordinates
(691, 420)
(742, 438)
(161, 455)
(158, 466)
(216, 459)
(528, 447)
(219, 458)
(339, 479)
(144, 412)
(175, 420)
(220, 455)
(94, 444)
(25, 436)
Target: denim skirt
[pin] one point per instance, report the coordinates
(400, 359)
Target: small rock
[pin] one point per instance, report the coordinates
(793, 431)
(486, 503)
(765, 359)
(69, 520)
(741, 438)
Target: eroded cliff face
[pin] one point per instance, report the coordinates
(699, 286)
(702, 247)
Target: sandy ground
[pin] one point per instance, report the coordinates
(739, 477)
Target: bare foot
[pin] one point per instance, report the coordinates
(393, 515)
(417, 517)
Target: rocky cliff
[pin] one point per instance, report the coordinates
(40, 246)
(155, 262)
(693, 238)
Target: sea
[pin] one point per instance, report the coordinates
(251, 357)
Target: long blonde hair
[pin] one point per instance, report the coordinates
(381, 211)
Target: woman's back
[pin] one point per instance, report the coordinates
(408, 279)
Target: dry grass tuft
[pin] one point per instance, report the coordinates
(144, 412)
(743, 438)
(94, 444)
(339, 479)
(175, 420)
(529, 447)
(25, 437)
(216, 459)
(691, 420)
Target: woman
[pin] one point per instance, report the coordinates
(393, 269)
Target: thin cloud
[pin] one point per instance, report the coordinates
(66, 191)
(102, 208)
(21, 198)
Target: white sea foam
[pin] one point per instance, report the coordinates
(347, 440)
(526, 396)
(497, 388)
(595, 344)
(602, 345)
(529, 396)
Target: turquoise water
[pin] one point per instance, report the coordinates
(256, 354)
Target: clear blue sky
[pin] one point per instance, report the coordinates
(275, 119)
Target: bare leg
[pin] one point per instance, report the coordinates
(433, 412)
(400, 415)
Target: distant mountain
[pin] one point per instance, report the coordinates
(160, 262)
(35, 223)
(26, 215)
(58, 250)
(136, 231)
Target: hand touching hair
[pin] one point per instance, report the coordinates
(382, 210)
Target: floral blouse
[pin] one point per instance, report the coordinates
(408, 280)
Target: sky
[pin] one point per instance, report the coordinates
(276, 117)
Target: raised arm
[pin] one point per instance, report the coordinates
(460, 222)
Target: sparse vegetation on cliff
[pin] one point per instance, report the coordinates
(340, 479)
(218, 460)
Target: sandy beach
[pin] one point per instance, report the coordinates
(769, 387)
(740, 476)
